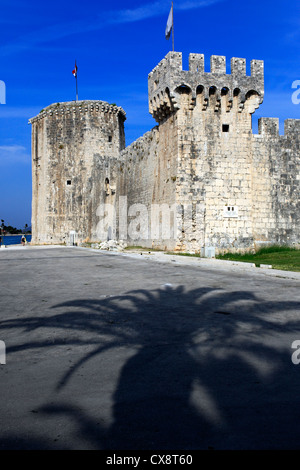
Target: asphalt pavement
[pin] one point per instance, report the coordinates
(130, 351)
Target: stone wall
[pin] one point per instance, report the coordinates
(276, 182)
(148, 182)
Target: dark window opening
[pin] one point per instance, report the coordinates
(224, 91)
(251, 93)
(69, 182)
(183, 90)
(110, 138)
(225, 127)
(107, 187)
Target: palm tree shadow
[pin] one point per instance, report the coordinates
(172, 392)
(152, 402)
(198, 371)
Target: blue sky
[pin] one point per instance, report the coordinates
(116, 44)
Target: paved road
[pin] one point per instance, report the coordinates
(107, 351)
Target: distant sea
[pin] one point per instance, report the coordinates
(14, 239)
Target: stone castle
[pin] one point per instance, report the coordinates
(200, 178)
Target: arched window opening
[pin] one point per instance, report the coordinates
(183, 90)
(251, 93)
(224, 91)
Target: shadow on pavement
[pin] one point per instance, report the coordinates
(209, 369)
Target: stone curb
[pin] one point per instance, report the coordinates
(162, 257)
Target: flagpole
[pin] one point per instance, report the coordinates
(76, 82)
(173, 26)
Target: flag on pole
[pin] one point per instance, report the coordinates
(169, 26)
(74, 72)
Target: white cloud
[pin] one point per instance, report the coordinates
(136, 14)
(155, 9)
(14, 154)
(190, 5)
(61, 30)
(292, 37)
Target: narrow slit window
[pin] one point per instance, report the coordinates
(107, 187)
(110, 138)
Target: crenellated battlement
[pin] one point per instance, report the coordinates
(292, 128)
(269, 127)
(168, 78)
(84, 107)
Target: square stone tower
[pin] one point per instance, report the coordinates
(209, 115)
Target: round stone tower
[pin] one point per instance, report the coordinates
(74, 145)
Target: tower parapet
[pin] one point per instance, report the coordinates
(269, 127)
(86, 106)
(168, 79)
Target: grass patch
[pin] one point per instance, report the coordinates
(135, 248)
(280, 257)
